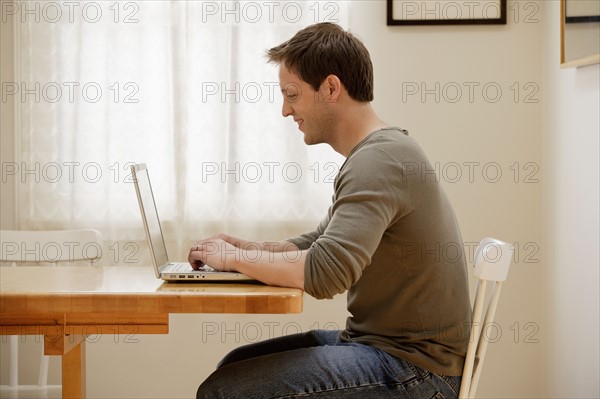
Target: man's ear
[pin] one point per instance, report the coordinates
(332, 88)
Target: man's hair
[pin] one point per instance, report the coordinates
(323, 49)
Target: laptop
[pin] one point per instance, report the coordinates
(164, 269)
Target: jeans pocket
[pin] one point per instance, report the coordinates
(438, 395)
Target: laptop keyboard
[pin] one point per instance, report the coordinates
(187, 268)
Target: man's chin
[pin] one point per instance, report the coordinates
(311, 139)
(308, 140)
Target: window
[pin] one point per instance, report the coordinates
(181, 86)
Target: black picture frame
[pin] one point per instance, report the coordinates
(570, 19)
(391, 21)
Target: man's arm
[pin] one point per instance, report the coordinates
(271, 246)
(282, 266)
(370, 195)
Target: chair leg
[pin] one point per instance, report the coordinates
(13, 379)
(43, 375)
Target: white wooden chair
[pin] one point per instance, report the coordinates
(44, 247)
(491, 263)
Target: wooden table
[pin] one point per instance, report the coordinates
(65, 304)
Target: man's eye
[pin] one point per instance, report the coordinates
(292, 97)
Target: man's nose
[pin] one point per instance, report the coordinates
(286, 109)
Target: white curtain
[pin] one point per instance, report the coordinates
(181, 86)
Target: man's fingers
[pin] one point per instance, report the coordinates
(195, 257)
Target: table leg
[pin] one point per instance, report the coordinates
(73, 373)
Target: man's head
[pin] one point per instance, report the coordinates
(324, 49)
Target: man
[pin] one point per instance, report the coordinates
(385, 240)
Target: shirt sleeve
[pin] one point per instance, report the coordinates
(370, 193)
(304, 241)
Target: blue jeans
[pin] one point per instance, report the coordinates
(317, 364)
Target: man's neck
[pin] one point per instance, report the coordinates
(356, 124)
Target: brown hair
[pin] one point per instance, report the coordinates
(323, 49)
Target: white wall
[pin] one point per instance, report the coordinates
(539, 147)
(571, 145)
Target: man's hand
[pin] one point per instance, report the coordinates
(274, 263)
(214, 252)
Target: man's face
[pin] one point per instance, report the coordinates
(306, 106)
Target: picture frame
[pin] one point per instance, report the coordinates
(579, 36)
(582, 11)
(446, 12)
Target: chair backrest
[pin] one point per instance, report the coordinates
(491, 263)
(50, 246)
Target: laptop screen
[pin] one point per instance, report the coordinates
(154, 235)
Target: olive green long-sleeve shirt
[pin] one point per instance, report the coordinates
(391, 240)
